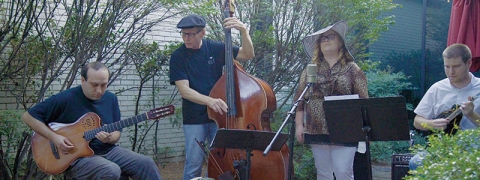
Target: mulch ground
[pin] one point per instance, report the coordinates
(174, 170)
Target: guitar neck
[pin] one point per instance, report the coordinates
(454, 114)
(458, 111)
(89, 135)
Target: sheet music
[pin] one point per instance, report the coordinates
(350, 96)
(362, 147)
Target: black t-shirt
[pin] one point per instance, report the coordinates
(68, 106)
(202, 68)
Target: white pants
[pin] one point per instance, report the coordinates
(330, 159)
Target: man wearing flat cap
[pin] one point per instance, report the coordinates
(194, 68)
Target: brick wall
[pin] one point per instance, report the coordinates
(167, 137)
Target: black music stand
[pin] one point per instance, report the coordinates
(247, 140)
(373, 119)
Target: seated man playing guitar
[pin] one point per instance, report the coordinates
(109, 160)
(459, 89)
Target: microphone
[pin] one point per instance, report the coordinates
(311, 76)
(311, 73)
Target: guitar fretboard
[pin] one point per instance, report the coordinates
(89, 135)
(454, 113)
(458, 111)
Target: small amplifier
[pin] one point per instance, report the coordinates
(400, 165)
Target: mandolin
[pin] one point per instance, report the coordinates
(80, 133)
(454, 114)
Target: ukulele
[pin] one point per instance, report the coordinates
(454, 114)
(80, 133)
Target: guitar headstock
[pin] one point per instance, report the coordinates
(230, 7)
(161, 112)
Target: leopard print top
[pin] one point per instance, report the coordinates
(338, 80)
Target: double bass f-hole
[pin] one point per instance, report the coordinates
(251, 125)
(221, 155)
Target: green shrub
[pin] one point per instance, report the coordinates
(385, 83)
(450, 157)
(15, 149)
(382, 151)
(11, 135)
(303, 162)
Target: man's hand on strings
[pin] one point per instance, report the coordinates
(218, 105)
(232, 22)
(467, 107)
(440, 123)
(103, 136)
(63, 144)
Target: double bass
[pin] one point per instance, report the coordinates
(251, 102)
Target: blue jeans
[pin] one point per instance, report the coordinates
(194, 155)
(116, 162)
(416, 160)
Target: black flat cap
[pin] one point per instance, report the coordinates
(191, 21)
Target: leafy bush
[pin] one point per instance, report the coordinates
(450, 157)
(11, 135)
(15, 150)
(303, 162)
(385, 83)
(382, 151)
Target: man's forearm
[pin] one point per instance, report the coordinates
(419, 123)
(474, 118)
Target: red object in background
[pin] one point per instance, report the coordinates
(464, 28)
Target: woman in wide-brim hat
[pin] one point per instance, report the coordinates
(337, 74)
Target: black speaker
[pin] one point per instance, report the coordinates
(400, 165)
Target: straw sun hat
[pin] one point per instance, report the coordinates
(309, 42)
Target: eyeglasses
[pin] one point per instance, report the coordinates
(329, 37)
(184, 34)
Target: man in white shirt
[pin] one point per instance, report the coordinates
(459, 88)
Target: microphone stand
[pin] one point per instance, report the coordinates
(292, 132)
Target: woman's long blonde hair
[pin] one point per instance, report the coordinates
(343, 56)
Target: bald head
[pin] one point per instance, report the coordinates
(93, 65)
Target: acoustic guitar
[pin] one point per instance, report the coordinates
(80, 133)
(454, 114)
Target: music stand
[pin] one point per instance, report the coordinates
(372, 119)
(247, 140)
